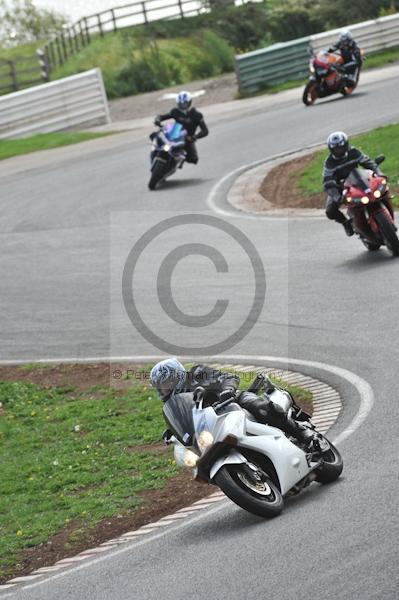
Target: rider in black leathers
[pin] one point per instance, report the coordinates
(340, 153)
(350, 53)
(170, 379)
(191, 119)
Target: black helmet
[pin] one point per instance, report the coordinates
(338, 144)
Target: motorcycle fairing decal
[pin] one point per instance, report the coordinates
(174, 131)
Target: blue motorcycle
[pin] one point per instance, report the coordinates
(168, 153)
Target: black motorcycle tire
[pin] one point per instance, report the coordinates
(332, 465)
(157, 173)
(227, 479)
(388, 233)
(306, 92)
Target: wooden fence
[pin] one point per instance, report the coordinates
(21, 73)
(75, 37)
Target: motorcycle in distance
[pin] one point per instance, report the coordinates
(255, 465)
(168, 153)
(368, 202)
(327, 77)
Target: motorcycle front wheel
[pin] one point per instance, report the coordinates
(159, 170)
(371, 247)
(309, 93)
(255, 493)
(332, 465)
(388, 233)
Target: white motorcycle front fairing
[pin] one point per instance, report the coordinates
(288, 460)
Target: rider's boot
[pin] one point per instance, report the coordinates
(348, 227)
(300, 432)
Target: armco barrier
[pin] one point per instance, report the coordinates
(65, 104)
(290, 60)
(275, 64)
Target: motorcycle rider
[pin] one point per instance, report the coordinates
(350, 53)
(170, 378)
(340, 153)
(190, 118)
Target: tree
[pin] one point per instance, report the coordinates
(21, 21)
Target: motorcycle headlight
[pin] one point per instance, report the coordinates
(167, 147)
(377, 194)
(205, 439)
(190, 459)
(364, 200)
(185, 457)
(311, 67)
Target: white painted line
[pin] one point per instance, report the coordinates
(23, 579)
(4, 586)
(67, 561)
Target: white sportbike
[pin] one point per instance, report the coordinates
(255, 465)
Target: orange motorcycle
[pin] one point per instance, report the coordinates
(327, 76)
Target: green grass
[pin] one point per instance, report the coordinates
(382, 58)
(70, 456)
(384, 140)
(43, 141)
(36, 366)
(76, 457)
(133, 64)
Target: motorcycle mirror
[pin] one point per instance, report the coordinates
(198, 395)
(380, 158)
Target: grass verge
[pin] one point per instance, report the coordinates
(43, 141)
(383, 140)
(72, 457)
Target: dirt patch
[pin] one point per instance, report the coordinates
(280, 186)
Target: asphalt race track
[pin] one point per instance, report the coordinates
(68, 226)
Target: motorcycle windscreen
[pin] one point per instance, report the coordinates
(174, 131)
(358, 178)
(178, 412)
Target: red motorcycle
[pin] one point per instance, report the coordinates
(327, 77)
(369, 206)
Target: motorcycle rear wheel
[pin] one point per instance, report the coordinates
(310, 93)
(389, 234)
(263, 499)
(157, 173)
(332, 466)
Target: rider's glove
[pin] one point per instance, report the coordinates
(157, 121)
(191, 138)
(226, 394)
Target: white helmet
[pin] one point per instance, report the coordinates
(184, 100)
(168, 377)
